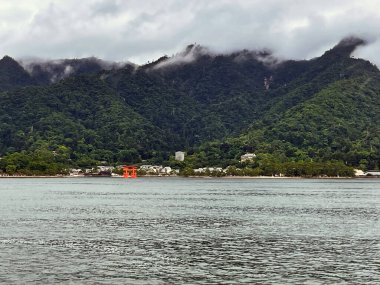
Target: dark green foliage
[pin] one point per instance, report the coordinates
(12, 75)
(41, 161)
(82, 114)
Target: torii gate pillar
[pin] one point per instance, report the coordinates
(130, 172)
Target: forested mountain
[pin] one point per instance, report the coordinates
(329, 112)
(13, 75)
(214, 106)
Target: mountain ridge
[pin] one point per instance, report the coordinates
(214, 106)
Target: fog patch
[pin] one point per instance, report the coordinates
(370, 51)
(264, 56)
(189, 55)
(55, 70)
(68, 70)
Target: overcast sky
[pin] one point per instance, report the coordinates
(143, 30)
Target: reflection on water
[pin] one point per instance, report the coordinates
(189, 231)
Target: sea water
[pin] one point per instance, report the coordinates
(189, 231)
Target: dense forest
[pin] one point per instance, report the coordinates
(295, 115)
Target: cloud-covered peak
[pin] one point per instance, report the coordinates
(346, 47)
(351, 41)
(188, 55)
(140, 31)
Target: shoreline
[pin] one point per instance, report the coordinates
(191, 177)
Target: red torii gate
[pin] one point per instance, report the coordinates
(130, 171)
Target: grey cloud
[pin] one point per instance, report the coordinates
(191, 53)
(106, 7)
(144, 30)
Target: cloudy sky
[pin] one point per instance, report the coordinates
(143, 30)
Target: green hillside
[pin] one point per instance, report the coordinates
(81, 114)
(330, 112)
(215, 107)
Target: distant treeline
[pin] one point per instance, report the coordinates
(46, 162)
(38, 162)
(287, 169)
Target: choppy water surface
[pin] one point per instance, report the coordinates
(189, 231)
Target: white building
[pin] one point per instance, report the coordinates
(106, 168)
(179, 156)
(372, 173)
(247, 157)
(209, 169)
(76, 172)
(151, 169)
(166, 170)
(359, 172)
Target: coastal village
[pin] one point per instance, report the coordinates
(143, 170)
(153, 170)
(147, 170)
(160, 170)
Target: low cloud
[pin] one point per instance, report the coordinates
(55, 70)
(142, 31)
(191, 53)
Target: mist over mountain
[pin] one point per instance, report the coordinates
(213, 106)
(51, 71)
(34, 71)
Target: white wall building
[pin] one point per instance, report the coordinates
(372, 173)
(166, 170)
(179, 156)
(247, 157)
(106, 168)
